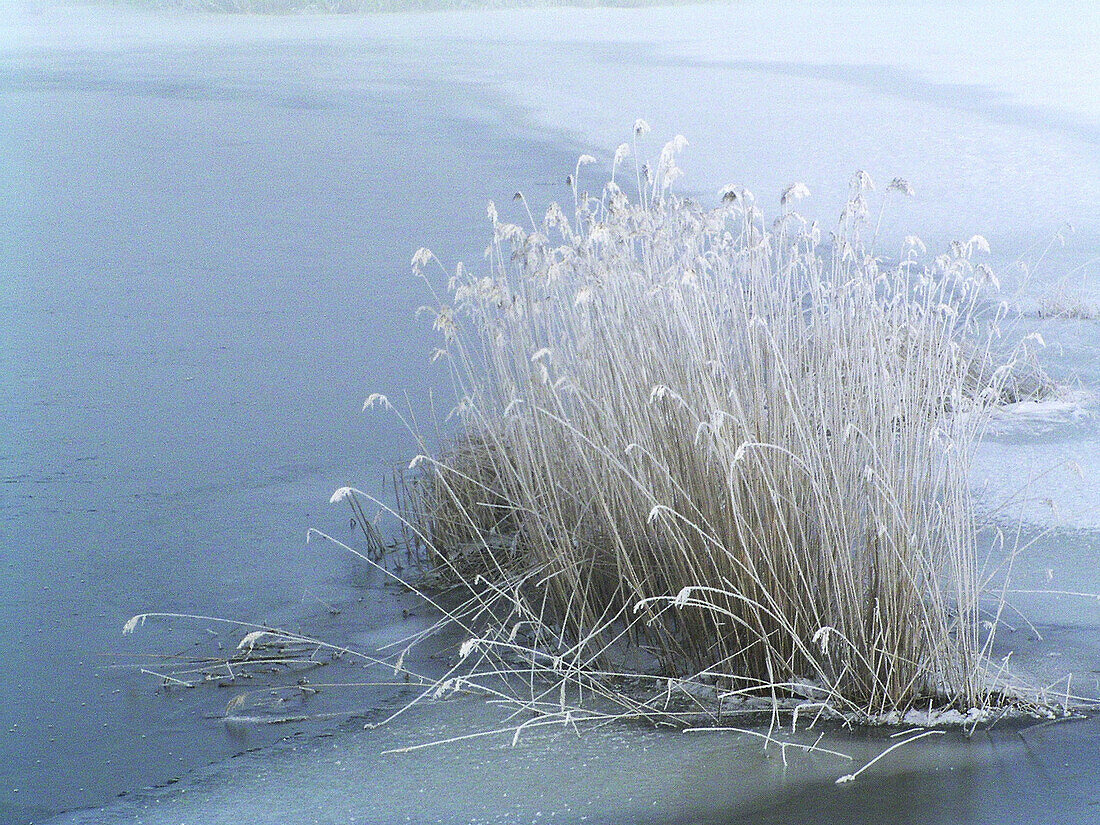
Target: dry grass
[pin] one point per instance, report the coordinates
(707, 459)
(1065, 305)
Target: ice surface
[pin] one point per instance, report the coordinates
(631, 774)
(990, 110)
(1040, 461)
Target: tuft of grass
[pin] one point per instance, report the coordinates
(704, 447)
(1064, 305)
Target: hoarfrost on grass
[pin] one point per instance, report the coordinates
(797, 423)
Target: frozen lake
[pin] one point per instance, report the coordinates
(205, 271)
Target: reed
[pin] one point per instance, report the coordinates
(713, 456)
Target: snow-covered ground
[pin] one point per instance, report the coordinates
(369, 136)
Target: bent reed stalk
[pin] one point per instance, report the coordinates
(716, 457)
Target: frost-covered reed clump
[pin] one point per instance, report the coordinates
(705, 446)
